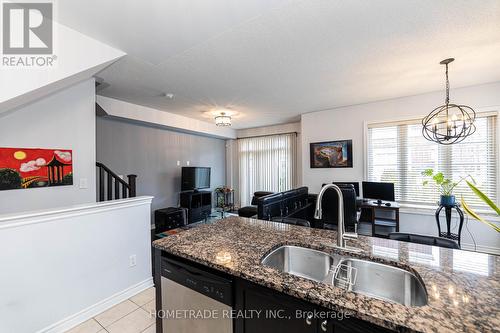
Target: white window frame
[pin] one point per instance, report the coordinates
(428, 209)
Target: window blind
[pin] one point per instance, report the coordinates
(266, 163)
(398, 153)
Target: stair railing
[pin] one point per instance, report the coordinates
(108, 180)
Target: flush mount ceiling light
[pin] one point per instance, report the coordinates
(223, 119)
(449, 123)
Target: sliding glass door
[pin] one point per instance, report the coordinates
(266, 163)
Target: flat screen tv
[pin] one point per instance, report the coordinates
(195, 178)
(379, 191)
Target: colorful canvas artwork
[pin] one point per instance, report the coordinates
(22, 168)
(331, 154)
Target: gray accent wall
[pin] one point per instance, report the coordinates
(152, 154)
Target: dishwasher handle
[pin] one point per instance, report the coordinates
(206, 283)
(194, 275)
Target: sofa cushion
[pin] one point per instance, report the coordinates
(259, 194)
(247, 211)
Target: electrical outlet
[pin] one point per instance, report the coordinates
(132, 260)
(187, 162)
(178, 163)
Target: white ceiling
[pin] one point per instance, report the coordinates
(272, 60)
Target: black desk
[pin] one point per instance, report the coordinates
(373, 207)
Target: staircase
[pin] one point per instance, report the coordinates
(111, 186)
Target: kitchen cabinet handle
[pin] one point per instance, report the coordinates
(308, 319)
(323, 325)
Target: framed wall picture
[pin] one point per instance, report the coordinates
(331, 154)
(25, 168)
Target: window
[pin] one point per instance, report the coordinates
(267, 163)
(423, 254)
(398, 153)
(471, 262)
(381, 248)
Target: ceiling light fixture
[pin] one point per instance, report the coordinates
(449, 123)
(223, 119)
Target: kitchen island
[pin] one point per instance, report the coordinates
(462, 287)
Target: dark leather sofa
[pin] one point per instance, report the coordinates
(299, 204)
(251, 211)
(292, 203)
(297, 207)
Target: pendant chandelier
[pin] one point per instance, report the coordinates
(223, 120)
(449, 123)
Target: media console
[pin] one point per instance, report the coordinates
(198, 204)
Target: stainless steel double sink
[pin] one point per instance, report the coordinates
(366, 277)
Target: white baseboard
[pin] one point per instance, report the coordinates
(93, 310)
(481, 248)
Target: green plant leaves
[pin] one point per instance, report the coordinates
(439, 178)
(428, 172)
(483, 197)
(469, 211)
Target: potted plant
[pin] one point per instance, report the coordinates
(444, 185)
(223, 191)
(487, 200)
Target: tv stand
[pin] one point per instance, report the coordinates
(198, 204)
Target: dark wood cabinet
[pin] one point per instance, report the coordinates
(169, 218)
(198, 204)
(271, 312)
(268, 311)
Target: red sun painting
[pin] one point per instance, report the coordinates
(22, 168)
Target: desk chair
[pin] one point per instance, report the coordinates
(422, 239)
(330, 206)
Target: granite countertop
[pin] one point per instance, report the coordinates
(463, 287)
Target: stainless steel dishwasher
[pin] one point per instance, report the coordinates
(193, 300)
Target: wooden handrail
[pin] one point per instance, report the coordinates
(128, 189)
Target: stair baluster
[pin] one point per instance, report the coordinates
(106, 185)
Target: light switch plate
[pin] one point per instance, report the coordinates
(83, 183)
(132, 260)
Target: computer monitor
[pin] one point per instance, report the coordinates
(379, 191)
(355, 184)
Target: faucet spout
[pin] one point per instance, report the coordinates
(318, 213)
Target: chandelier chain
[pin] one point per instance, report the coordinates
(447, 87)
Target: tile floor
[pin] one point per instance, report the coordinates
(130, 316)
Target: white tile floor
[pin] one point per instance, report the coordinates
(131, 316)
